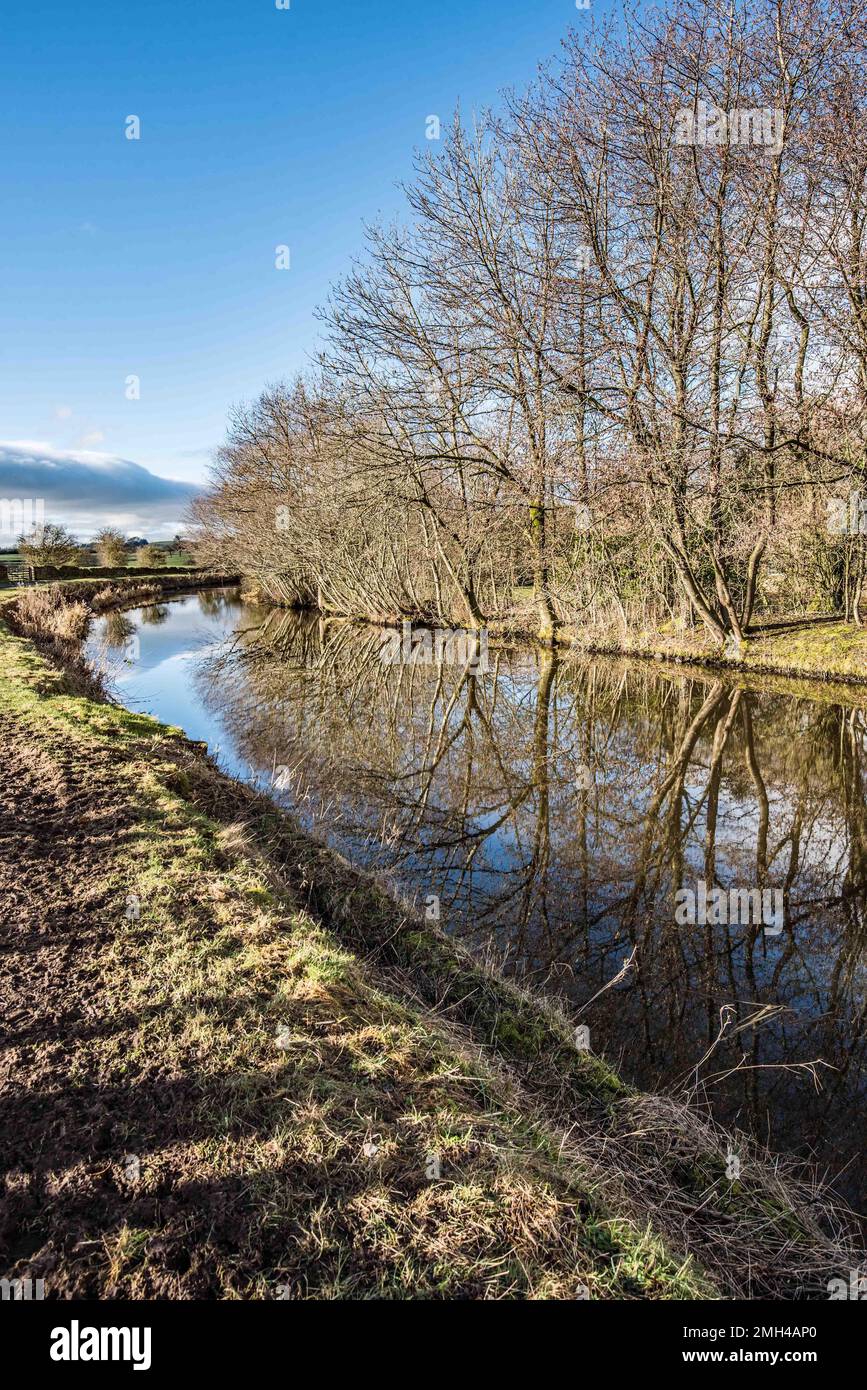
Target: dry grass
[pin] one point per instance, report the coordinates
(50, 614)
(822, 650)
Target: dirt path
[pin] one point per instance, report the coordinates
(62, 828)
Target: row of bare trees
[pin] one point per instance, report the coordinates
(613, 366)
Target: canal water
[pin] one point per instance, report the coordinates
(600, 829)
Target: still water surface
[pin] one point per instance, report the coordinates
(555, 808)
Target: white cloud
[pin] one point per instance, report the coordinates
(85, 490)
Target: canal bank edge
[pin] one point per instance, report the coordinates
(297, 1085)
(819, 648)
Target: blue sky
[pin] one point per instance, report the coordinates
(155, 257)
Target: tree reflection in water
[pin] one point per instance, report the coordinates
(477, 789)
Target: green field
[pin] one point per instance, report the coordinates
(174, 559)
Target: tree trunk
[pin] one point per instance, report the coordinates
(547, 632)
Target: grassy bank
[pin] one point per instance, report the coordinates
(818, 649)
(238, 1068)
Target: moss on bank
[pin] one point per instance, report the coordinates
(289, 1086)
